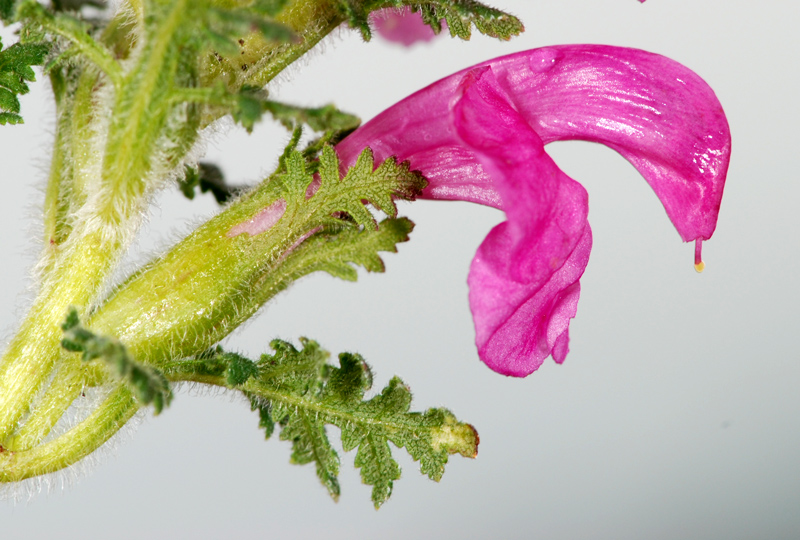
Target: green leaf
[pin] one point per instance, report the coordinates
(207, 177)
(378, 467)
(8, 101)
(333, 229)
(15, 72)
(10, 118)
(339, 201)
(297, 390)
(460, 15)
(357, 16)
(327, 118)
(310, 444)
(362, 182)
(239, 369)
(147, 384)
(7, 10)
(335, 255)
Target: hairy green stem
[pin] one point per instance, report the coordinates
(105, 223)
(74, 445)
(93, 203)
(69, 381)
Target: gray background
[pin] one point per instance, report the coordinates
(674, 416)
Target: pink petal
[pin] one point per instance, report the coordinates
(478, 136)
(401, 26)
(524, 278)
(657, 113)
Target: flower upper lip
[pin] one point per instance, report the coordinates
(479, 136)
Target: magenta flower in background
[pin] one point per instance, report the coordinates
(401, 25)
(479, 136)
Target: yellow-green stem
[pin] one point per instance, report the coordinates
(90, 213)
(68, 383)
(31, 356)
(74, 445)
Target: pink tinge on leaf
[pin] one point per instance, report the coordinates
(261, 222)
(401, 26)
(479, 135)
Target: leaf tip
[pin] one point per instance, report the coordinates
(456, 438)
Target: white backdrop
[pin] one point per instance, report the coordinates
(676, 414)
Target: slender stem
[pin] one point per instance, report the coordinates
(71, 29)
(69, 382)
(33, 353)
(74, 445)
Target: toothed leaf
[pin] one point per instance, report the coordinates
(327, 118)
(15, 72)
(461, 16)
(363, 182)
(296, 389)
(148, 385)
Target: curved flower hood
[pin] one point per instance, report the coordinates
(479, 136)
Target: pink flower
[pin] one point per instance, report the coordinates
(479, 136)
(401, 26)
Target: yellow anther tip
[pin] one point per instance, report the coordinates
(700, 266)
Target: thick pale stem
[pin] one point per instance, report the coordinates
(106, 198)
(74, 162)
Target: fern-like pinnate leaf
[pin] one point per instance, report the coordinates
(147, 384)
(338, 194)
(296, 391)
(321, 119)
(460, 15)
(15, 73)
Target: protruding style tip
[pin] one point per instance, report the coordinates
(699, 265)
